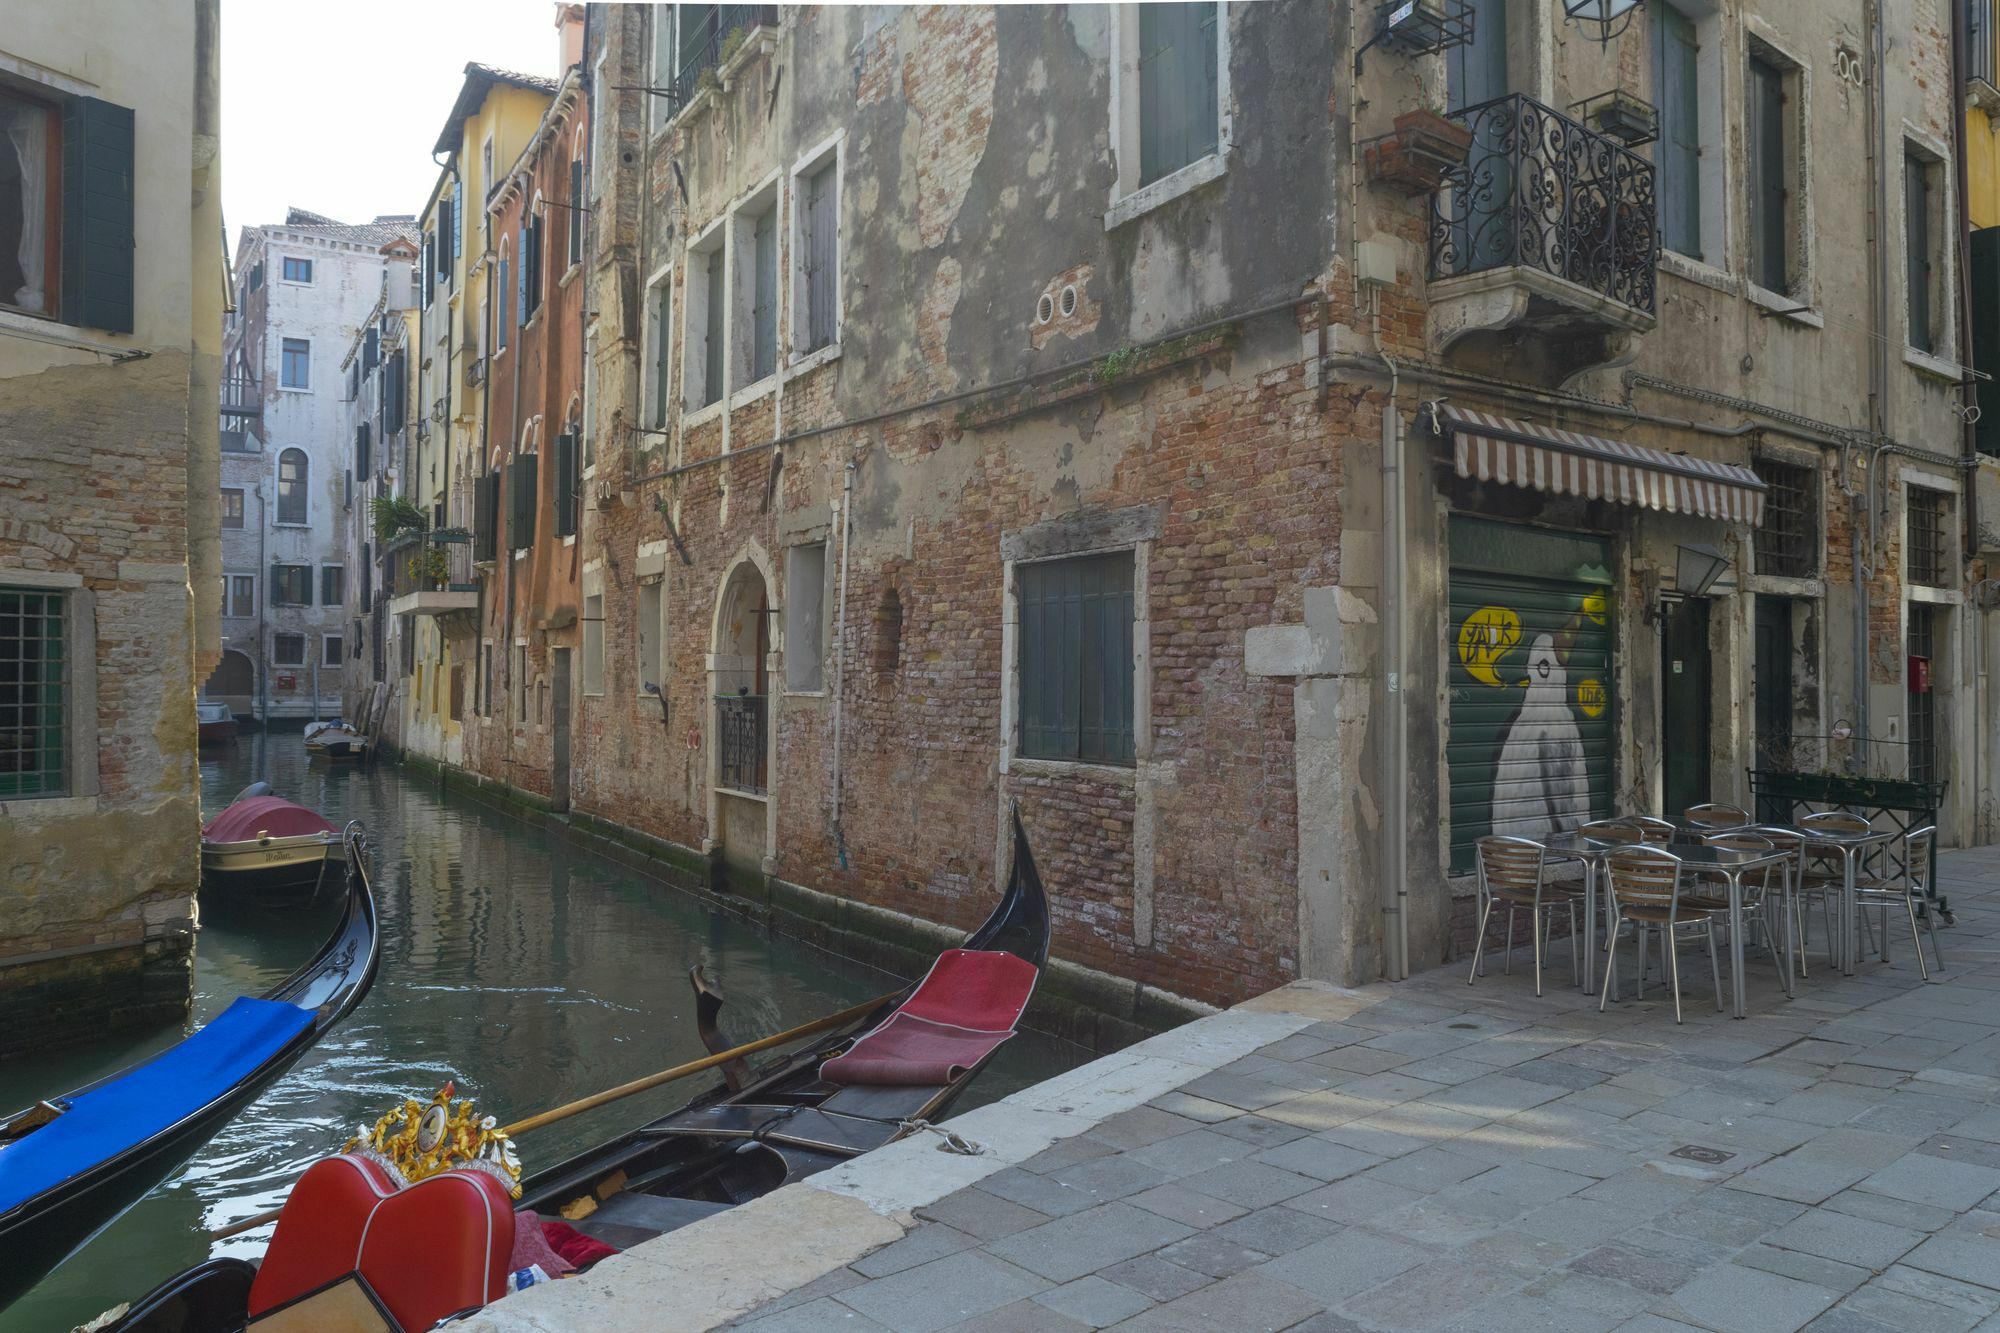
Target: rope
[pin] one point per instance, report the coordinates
(953, 1143)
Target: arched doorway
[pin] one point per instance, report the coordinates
(739, 683)
(234, 681)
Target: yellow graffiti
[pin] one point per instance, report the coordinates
(1590, 697)
(1594, 608)
(1487, 635)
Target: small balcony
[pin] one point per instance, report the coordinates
(1546, 226)
(739, 732)
(242, 396)
(710, 35)
(430, 573)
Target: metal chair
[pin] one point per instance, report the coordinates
(1755, 906)
(1717, 815)
(1514, 871)
(1904, 890)
(1788, 841)
(1822, 875)
(1646, 894)
(1654, 831)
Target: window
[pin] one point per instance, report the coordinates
(1476, 71)
(362, 450)
(66, 171)
(1925, 636)
(298, 270)
(288, 650)
(1076, 658)
(239, 596)
(805, 617)
(659, 326)
(575, 212)
(568, 482)
(520, 683)
(291, 585)
(428, 265)
(292, 476)
(1928, 544)
(255, 282)
(34, 692)
(651, 635)
(330, 654)
(1770, 227)
(701, 369)
(332, 585)
(1979, 40)
(486, 181)
(506, 293)
(818, 299)
(1178, 113)
(1677, 160)
(523, 489)
(1919, 211)
(295, 363)
(232, 506)
(661, 109)
(763, 294)
(593, 644)
(30, 203)
(531, 268)
(1787, 541)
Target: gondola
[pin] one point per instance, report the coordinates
(761, 1128)
(270, 851)
(71, 1165)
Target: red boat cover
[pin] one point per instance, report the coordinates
(243, 821)
(428, 1251)
(967, 1004)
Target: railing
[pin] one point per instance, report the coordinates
(439, 561)
(242, 396)
(707, 40)
(1538, 190)
(739, 730)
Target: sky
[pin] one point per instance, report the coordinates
(336, 108)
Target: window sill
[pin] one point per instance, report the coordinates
(291, 388)
(1165, 190)
(1789, 307)
(762, 797)
(1696, 271)
(277, 523)
(1778, 585)
(569, 274)
(700, 416)
(569, 540)
(47, 807)
(1930, 363)
(1117, 774)
(813, 360)
(753, 391)
(1923, 592)
(819, 693)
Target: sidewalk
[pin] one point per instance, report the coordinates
(1429, 1155)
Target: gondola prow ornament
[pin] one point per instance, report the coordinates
(417, 1141)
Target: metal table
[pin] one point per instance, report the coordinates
(1850, 846)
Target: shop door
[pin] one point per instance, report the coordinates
(1528, 667)
(1685, 696)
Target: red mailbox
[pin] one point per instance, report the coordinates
(1920, 675)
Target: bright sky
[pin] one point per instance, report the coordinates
(336, 108)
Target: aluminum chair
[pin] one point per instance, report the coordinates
(1822, 875)
(1612, 830)
(1904, 890)
(1716, 815)
(1756, 907)
(1788, 841)
(1514, 871)
(1646, 893)
(1654, 831)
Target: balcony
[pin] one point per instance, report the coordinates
(430, 573)
(710, 35)
(1548, 227)
(242, 396)
(739, 732)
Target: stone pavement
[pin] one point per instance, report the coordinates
(1437, 1155)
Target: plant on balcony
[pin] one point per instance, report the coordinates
(429, 567)
(393, 515)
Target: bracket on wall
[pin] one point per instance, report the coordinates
(666, 517)
(771, 480)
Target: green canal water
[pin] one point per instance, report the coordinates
(512, 964)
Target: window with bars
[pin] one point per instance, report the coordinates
(288, 650)
(1926, 548)
(34, 692)
(1076, 658)
(1787, 541)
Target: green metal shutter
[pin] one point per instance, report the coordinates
(1076, 659)
(97, 236)
(713, 349)
(1985, 311)
(566, 485)
(522, 488)
(1528, 663)
(1917, 248)
(1679, 153)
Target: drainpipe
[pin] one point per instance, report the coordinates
(1878, 362)
(1969, 504)
(263, 635)
(840, 652)
(1395, 789)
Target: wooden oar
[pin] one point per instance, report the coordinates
(639, 1085)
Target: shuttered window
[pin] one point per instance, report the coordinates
(1770, 264)
(1917, 249)
(506, 298)
(566, 484)
(361, 450)
(764, 296)
(486, 516)
(658, 314)
(531, 268)
(371, 351)
(1178, 114)
(291, 585)
(1677, 160)
(522, 484)
(395, 392)
(821, 244)
(1076, 658)
(97, 234)
(575, 211)
(1528, 662)
(712, 357)
(293, 475)
(332, 585)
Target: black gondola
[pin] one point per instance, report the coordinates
(763, 1127)
(72, 1165)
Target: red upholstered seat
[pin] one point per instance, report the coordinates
(433, 1249)
(967, 1004)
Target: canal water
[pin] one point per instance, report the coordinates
(512, 964)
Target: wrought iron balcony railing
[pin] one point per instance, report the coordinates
(739, 731)
(439, 561)
(1540, 191)
(708, 34)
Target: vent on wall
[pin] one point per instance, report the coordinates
(1045, 309)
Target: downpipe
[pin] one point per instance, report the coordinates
(840, 654)
(1395, 855)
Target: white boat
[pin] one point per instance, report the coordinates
(336, 739)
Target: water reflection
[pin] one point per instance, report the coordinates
(510, 963)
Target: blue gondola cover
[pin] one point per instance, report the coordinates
(179, 1081)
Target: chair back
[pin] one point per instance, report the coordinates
(1511, 863)
(1644, 877)
(1717, 815)
(1654, 832)
(1917, 846)
(1738, 840)
(1784, 839)
(1835, 821)
(1611, 830)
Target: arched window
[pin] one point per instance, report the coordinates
(292, 468)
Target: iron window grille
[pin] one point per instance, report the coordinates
(1925, 549)
(739, 727)
(288, 650)
(1787, 541)
(34, 692)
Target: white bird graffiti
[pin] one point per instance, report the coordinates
(1539, 784)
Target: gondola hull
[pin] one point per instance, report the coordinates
(40, 1231)
(273, 872)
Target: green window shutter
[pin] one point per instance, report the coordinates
(1770, 266)
(522, 484)
(566, 485)
(1105, 665)
(714, 352)
(97, 166)
(1076, 659)
(271, 584)
(483, 492)
(1917, 248)
(1679, 154)
(764, 297)
(1049, 632)
(1984, 254)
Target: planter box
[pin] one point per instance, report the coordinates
(1414, 157)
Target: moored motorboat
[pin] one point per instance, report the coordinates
(266, 849)
(214, 723)
(336, 739)
(71, 1165)
(876, 1074)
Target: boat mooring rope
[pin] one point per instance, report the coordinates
(955, 1143)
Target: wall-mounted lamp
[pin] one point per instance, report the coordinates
(1697, 569)
(1611, 16)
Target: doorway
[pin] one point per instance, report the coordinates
(559, 763)
(1774, 685)
(1686, 697)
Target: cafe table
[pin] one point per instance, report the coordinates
(1851, 847)
(1729, 863)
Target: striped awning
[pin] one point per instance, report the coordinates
(1562, 462)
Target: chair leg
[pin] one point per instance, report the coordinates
(1714, 965)
(1641, 930)
(1508, 968)
(1672, 950)
(1535, 929)
(1610, 977)
(1575, 950)
(1930, 923)
(1799, 932)
(1910, 905)
(1479, 942)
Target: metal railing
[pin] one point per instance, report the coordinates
(739, 731)
(1539, 190)
(708, 37)
(439, 561)
(242, 396)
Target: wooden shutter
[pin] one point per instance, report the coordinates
(576, 214)
(715, 351)
(1104, 593)
(371, 351)
(1050, 611)
(1076, 659)
(1917, 248)
(506, 304)
(1769, 265)
(1178, 115)
(447, 240)
(97, 235)
(482, 516)
(1678, 157)
(524, 488)
(1984, 253)
(764, 297)
(822, 247)
(565, 485)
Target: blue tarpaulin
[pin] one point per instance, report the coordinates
(141, 1102)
